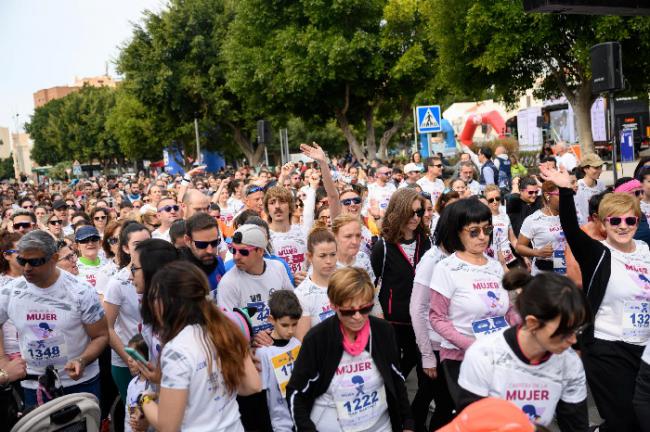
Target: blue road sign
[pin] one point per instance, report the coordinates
(429, 119)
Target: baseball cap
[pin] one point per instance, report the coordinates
(251, 235)
(85, 232)
(490, 415)
(591, 159)
(411, 167)
(59, 204)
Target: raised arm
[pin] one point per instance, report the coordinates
(316, 153)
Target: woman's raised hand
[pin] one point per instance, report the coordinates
(560, 177)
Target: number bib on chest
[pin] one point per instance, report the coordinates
(537, 397)
(636, 321)
(487, 326)
(283, 366)
(44, 352)
(358, 392)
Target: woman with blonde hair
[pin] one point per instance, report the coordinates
(347, 230)
(347, 375)
(615, 278)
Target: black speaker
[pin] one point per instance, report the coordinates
(606, 68)
(540, 122)
(263, 132)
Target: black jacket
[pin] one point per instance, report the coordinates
(397, 277)
(518, 210)
(321, 354)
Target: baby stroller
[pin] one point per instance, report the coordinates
(78, 412)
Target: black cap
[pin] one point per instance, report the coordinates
(58, 204)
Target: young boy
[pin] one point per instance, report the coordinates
(277, 359)
(138, 385)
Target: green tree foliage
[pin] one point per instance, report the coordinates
(175, 72)
(353, 60)
(493, 44)
(74, 127)
(7, 168)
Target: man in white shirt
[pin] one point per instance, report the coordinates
(59, 319)
(168, 213)
(412, 173)
(466, 173)
(379, 192)
(431, 183)
(564, 157)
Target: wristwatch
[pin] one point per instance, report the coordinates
(81, 361)
(145, 398)
(4, 377)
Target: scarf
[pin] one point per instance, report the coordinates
(354, 348)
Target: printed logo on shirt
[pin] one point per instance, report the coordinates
(41, 316)
(353, 368)
(533, 396)
(43, 330)
(292, 257)
(90, 278)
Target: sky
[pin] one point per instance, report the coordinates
(47, 43)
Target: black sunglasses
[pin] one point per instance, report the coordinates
(98, 218)
(491, 200)
(20, 225)
(33, 262)
(90, 239)
(363, 310)
(349, 201)
(242, 251)
(113, 241)
(55, 222)
(419, 212)
(204, 244)
(169, 208)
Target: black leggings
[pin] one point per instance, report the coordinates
(428, 389)
(452, 372)
(641, 400)
(611, 369)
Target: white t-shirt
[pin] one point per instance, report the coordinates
(238, 289)
(477, 301)
(474, 187)
(582, 198)
(89, 273)
(314, 301)
(500, 239)
(541, 230)
(103, 276)
(291, 247)
(50, 323)
(277, 365)
(491, 369)
(9, 331)
(645, 208)
(121, 292)
(423, 275)
(210, 406)
(624, 314)
(380, 195)
(362, 260)
(567, 160)
(136, 387)
(157, 234)
(434, 188)
(235, 205)
(366, 240)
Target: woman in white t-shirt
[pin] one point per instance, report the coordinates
(351, 204)
(312, 292)
(205, 358)
(541, 236)
(468, 301)
(532, 365)
(122, 306)
(348, 233)
(10, 270)
(503, 237)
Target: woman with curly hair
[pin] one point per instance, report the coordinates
(405, 238)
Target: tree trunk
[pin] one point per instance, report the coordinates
(582, 101)
(371, 145)
(390, 132)
(253, 155)
(349, 134)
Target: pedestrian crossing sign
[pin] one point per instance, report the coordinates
(429, 119)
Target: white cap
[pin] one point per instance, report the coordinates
(411, 167)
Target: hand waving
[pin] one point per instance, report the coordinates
(561, 178)
(313, 151)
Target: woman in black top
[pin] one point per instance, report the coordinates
(616, 280)
(405, 238)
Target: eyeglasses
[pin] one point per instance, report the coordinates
(72, 257)
(100, 218)
(134, 269)
(23, 225)
(91, 239)
(578, 331)
(349, 201)
(436, 165)
(55, 222)
(419, 212)
(33, 262)
(531, 192)
(243, 251)
(474, 232)
(363, 310)
(169, 208)
(637, 193)
(113, 241)
(616, 220)
(10, 251)
(491, 200)
(204, 244)
(28, 207)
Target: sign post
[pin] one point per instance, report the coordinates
(428, 119)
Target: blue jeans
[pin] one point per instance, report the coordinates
(90, 386)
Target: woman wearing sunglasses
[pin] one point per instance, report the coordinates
(347, 375)
(615, 278)
(122, 304)
(468, 301)
(10, 270)
(541, 236)
(54, 226)
(532, 365)
(99, 219)
(504, 237)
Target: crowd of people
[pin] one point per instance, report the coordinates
(301, 298)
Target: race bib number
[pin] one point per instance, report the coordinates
(361, 410)
(508, 256)
(487, 326)
(636, 321)
(324, 315)
(559, 261)
(283, 366)
(260, 317)
(45, 352)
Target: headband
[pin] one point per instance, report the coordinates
(629, 186)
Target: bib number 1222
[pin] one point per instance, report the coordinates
(359, 403)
